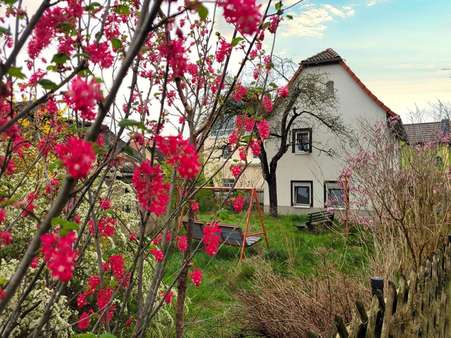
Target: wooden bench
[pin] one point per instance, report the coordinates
(230, 234)
(318, 217)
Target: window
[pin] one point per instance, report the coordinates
(228, 182)
(302, 141)
(301, 193)
(333, 195)
(223, 126)
(330, 88)
(226, 152)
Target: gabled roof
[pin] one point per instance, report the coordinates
(329, 56)
(421, 133)
(325, 57)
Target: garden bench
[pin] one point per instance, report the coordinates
(230, 234)
(318, 217)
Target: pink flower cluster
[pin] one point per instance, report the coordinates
(116, 265)
(106, 226)
(211, 238)
(255, 147)
(238, 203)
(267, 104)
(100, 53)
(181, 154)
(157, 254)
(83, 95)
(283, 91)
(77, 156)
(236, 170)
(196, 276)
(223, 50)
(263, 129)
(151, 190)
(174, 51)
(239, 92)
(182, 243)
(5, 238)
(242, 13)
(59, 254)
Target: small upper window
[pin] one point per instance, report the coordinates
(302, 141)
(226, 152)
(330, 88)
(301, 192)
(228, 182)
(334, 195)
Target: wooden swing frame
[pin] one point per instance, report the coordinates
(246, 229)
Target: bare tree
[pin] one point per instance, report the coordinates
(308, 98)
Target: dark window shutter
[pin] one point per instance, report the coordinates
(293, 141)
(310, 141)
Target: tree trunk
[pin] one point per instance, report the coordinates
(272, 189)
(181, 292)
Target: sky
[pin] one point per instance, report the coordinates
(400, 49)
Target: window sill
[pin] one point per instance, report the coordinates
(303, 153)
(302, 206)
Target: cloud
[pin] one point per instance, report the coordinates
(373, 2)
(313, 21)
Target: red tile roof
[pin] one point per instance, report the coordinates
(327, 56)
(421, 133)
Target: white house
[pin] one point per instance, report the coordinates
(307, 176)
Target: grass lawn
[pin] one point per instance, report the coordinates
(291, 252)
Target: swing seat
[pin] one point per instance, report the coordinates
(230, 234)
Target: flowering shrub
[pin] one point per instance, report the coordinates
(77, 124)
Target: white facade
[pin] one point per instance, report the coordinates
(316, 170)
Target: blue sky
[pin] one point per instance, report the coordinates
(401, 49)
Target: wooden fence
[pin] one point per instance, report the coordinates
(418, 306)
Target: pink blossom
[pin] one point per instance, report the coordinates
(82, 96)
(236, 170)
(59, 254)
(2, 215)
(267, 103)
(283, 91)
(223, 50)
(182, 243)
(273, 23)
(239, 92)
(5, 238)
(77, 156)
(195, 206)
(211, 238)
(168, 296)
(151, 190)
(105, 204)
(157, 254)
(104, 297)
(238, 203)
(255, 147)
(101, 54)
(242, 13)
(196, 276)
(84, 320)
(263, 129)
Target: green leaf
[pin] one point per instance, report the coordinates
(203, 11)
(236, 41)
(116, 43)
(66, 225)
(131, 123)
(60, 58)
(85, 335)
(289, 17)
(107, 335)
(16, 72)
(92, 6)
(122, 9)
(9, 2)
(278, 6)
(4, 30)
(47, 84)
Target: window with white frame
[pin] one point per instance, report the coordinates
(302, 193)
(228, 182)
(333, 195)
(302, 141)
(223, 126)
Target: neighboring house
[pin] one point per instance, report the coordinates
(217, 150)
(307, 176)
(432, 133)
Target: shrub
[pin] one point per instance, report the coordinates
(278, 306)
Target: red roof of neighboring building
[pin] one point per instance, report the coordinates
(329, 56)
